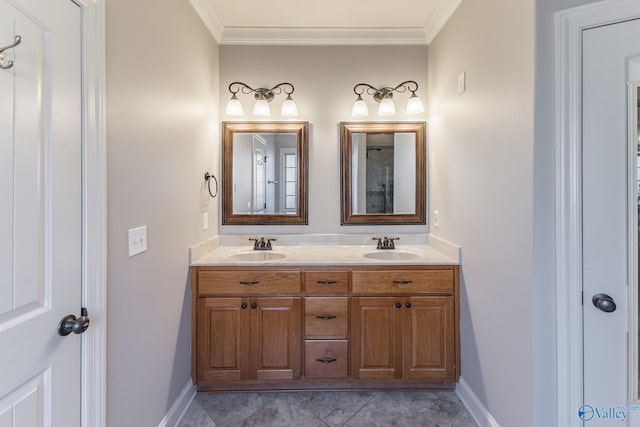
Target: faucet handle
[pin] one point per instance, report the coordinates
(379, 239)
(268, 244)
(256, 242)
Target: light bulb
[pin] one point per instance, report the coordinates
(386, 108)
(289, 108)
(261, 108)
(234, 107)
(414, 106)
(360, 108)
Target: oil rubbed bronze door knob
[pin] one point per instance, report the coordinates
(604, 302)
(70, 323)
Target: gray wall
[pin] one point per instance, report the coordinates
(162, 133)
(482, 182)
(323, 77)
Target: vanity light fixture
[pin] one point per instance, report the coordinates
(263, 96)
(385, 97)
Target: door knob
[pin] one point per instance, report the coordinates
(70, 323)
(604, 302)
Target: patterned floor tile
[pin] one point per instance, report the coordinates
(283, 412)
(196, 416)
(381, 412)
(336, 407)
(330, 408)
(230, 409)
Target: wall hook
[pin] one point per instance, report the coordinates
(9, 64)
(207, 178)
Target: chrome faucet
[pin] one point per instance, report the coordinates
(385, 242)
(262, 244)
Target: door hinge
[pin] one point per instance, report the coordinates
(582, 298)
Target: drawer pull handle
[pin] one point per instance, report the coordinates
(326, 360)
(402, 282)
(326, 282)
(255, 282)
(326, 317)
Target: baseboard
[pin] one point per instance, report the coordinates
(477, 410)
(179, 407)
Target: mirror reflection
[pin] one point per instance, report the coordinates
(264, 172)
(381, 181)
(383, 172)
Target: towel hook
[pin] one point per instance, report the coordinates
(207, 177)
(9, 64)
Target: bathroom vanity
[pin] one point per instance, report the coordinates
(333, 317)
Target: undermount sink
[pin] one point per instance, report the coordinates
(392, 255)
(258, 256)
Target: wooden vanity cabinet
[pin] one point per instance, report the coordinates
(248, 339)
(326, 325)
(240, 332)
(337, 328)
(405, 325)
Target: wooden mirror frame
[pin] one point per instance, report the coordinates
(301, 129)
(346, 131)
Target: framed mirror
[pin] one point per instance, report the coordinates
(265, 173)
(383, 172)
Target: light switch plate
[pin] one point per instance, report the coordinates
(462, 83)
(205, 221)
(137, 240)
(436, 218)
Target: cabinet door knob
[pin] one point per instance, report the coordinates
(244, 305)
(254, 305)
(398, 305)
(408, 305)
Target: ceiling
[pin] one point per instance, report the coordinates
(324, 22)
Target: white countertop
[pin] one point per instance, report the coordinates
(326, 254)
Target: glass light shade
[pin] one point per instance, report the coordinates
(386, 108)
(234, 107)
(414, 106)
(289, 108)
(360, 108)
(261, 109)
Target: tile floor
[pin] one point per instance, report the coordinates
(329, 408)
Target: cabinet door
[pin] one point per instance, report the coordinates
(429, 338)
(376, 331)
(223, 339)
(275, 338)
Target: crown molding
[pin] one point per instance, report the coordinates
(204, 8)
(322, 36)
(439, 17)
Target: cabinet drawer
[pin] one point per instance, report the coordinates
(399, 282)
(326, 317)
(257, 282)
(326, 282)
(325, 359)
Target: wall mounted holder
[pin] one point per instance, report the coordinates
(208, 177)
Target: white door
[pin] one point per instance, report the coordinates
(609, 222)
(40, 212)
